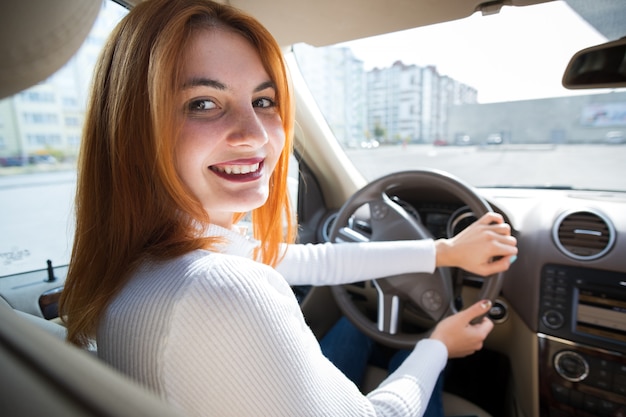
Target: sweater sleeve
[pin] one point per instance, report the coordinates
(343, 263)
(238, 345)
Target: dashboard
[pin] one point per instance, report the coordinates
(568, 287)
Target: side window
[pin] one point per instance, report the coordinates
(40, 131)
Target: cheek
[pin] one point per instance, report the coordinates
(277, 137)
(188, 155)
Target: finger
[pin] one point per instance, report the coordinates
(498, 264)
(504, 246)
(482, 326)
(476, 310)
(491, 217)
(503, 229)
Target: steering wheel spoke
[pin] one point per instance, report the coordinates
(389, 222)
(389, 308)
(347, 234)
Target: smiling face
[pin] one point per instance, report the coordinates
(232, 134)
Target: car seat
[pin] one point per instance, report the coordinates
(43, 375)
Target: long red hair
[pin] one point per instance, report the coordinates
(130, 202)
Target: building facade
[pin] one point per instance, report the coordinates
(398, 104)
(336, 80)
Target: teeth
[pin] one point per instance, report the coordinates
(237, 169)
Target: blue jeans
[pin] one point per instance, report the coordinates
(351, 351)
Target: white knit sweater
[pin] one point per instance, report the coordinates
(217, 334)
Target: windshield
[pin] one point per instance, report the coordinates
(479, 97)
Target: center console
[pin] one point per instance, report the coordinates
(582, 342)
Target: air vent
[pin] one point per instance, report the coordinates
(583, 235)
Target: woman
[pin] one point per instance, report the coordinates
(189, 127)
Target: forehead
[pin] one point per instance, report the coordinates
(219, 51)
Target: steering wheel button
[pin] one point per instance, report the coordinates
(432, 300)
(379, 211)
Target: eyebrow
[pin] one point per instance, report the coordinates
(207, 82)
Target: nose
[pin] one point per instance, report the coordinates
(247, 128)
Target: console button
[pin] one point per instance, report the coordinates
(553, 319)
(619, 384)
(606, 408)
(559, 413)
(571, 365)
(576, 399)
(591, 404)
(600, 374)
(560, 393)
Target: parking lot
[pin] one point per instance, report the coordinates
(578, 166)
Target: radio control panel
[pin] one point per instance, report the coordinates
(582, 342)
(584, 305)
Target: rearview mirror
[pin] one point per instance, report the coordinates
(597, 67)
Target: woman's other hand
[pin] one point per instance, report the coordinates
(460, 336)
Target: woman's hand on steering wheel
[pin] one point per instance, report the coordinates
(485, 247)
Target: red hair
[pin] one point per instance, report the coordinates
(130, 201)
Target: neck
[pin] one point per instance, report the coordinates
(222, 219)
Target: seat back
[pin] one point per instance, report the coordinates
(55, 329)
(37, 37)
(43, 375)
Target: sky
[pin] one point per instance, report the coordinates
(459, 52)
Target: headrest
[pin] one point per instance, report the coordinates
(37, 37)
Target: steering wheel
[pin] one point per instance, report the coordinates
(433, 293)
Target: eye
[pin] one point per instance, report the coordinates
(264, 103)
(201, 105)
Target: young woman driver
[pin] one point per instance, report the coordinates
(189, 127)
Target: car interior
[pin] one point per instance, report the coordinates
(558, 347)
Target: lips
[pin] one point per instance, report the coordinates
(238, 171)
